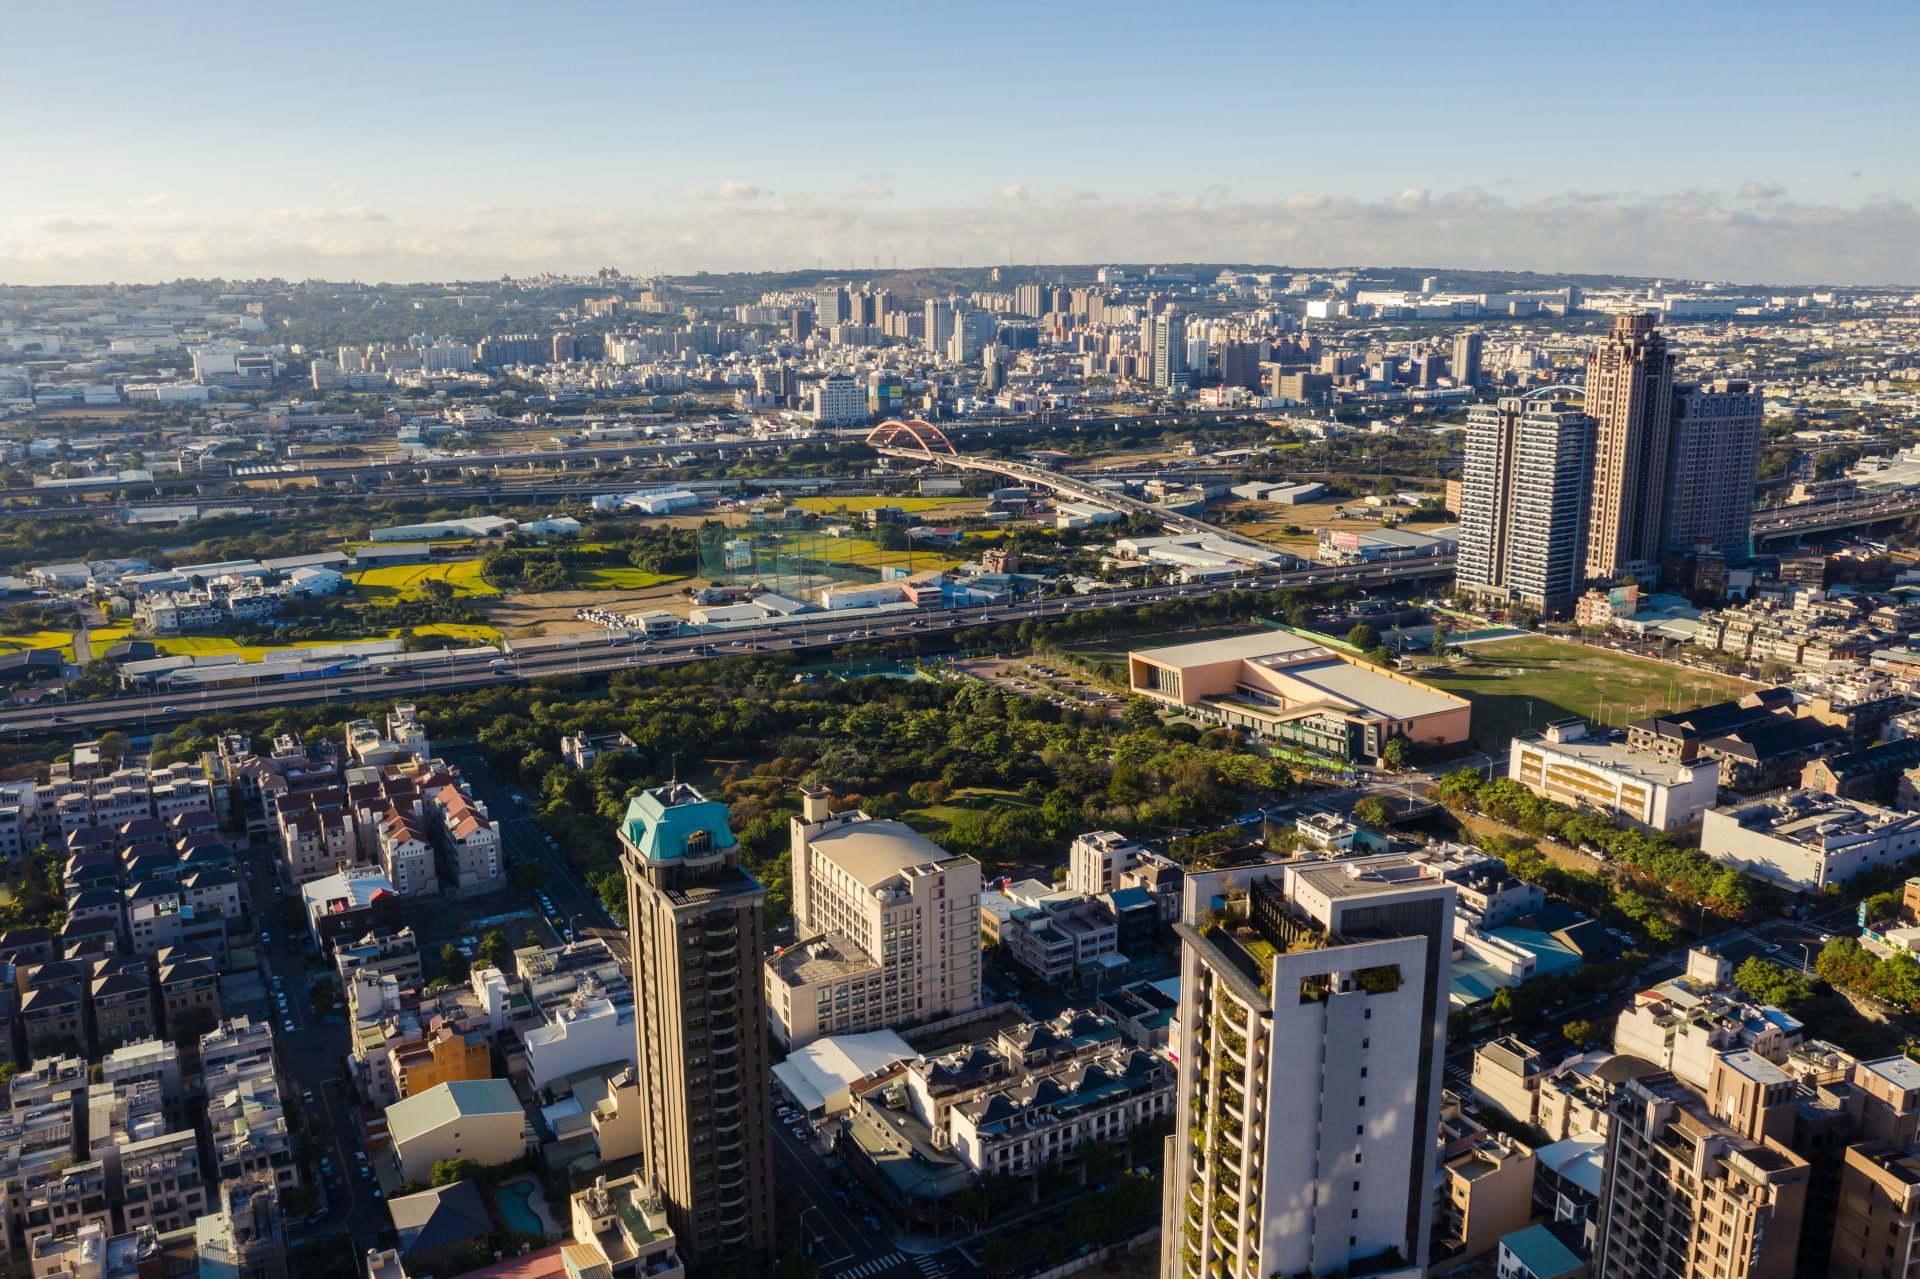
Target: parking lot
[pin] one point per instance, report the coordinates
(1055, 682)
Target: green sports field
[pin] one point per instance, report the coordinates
(1519, 685)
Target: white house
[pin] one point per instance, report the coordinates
(315, 581)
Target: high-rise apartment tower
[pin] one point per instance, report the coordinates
(695, 919)
(1523, 502)
(1714, 453)
(1313, 1018)
(1630, 399)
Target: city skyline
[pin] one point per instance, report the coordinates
(440, 150)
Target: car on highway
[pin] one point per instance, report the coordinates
(288, 1026)
(266, 939)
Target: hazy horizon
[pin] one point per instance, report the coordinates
(434, 141)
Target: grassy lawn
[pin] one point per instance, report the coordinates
(21, 641)
(209, 645)
(403, 581)
(1519, 685)
(854, 505)
(212, 645)
(934, 819)
(621, 579)
(479, 632)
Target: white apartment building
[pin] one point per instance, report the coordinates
(1805, 840)
(839, 399)
(589, 1030)
(248, 1122)
(406, 854)
(1042, 1117)
(468, 836)
(1313, 1005)
(1096, 859)
(1105, 861)
(1524, 502)
(1563, 763)
(893, 900)
(163, 1185)
(1685, 1030)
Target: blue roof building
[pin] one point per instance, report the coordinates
(677, 823)
(1534, 1253)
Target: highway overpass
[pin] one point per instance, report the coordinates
(1834, 517)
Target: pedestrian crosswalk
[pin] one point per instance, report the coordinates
(928, 1266)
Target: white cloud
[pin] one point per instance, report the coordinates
(311, 214)
(732, 191)
(1688, 233)
(1751, 190)
(71, 224)
(875, 190)
(153, 201)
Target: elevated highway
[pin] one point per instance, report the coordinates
(596, 655)
(1834, 517)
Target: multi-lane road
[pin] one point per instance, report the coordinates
(146, 711)
(312, 1051)
(576, 906)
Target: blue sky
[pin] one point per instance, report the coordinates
(416, 139)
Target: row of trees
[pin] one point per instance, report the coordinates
(1893, 979)
(1658, 872)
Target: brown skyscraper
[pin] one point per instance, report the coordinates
(700, 1011)
(1630, 399)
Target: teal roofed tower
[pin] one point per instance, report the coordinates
(677, 823)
